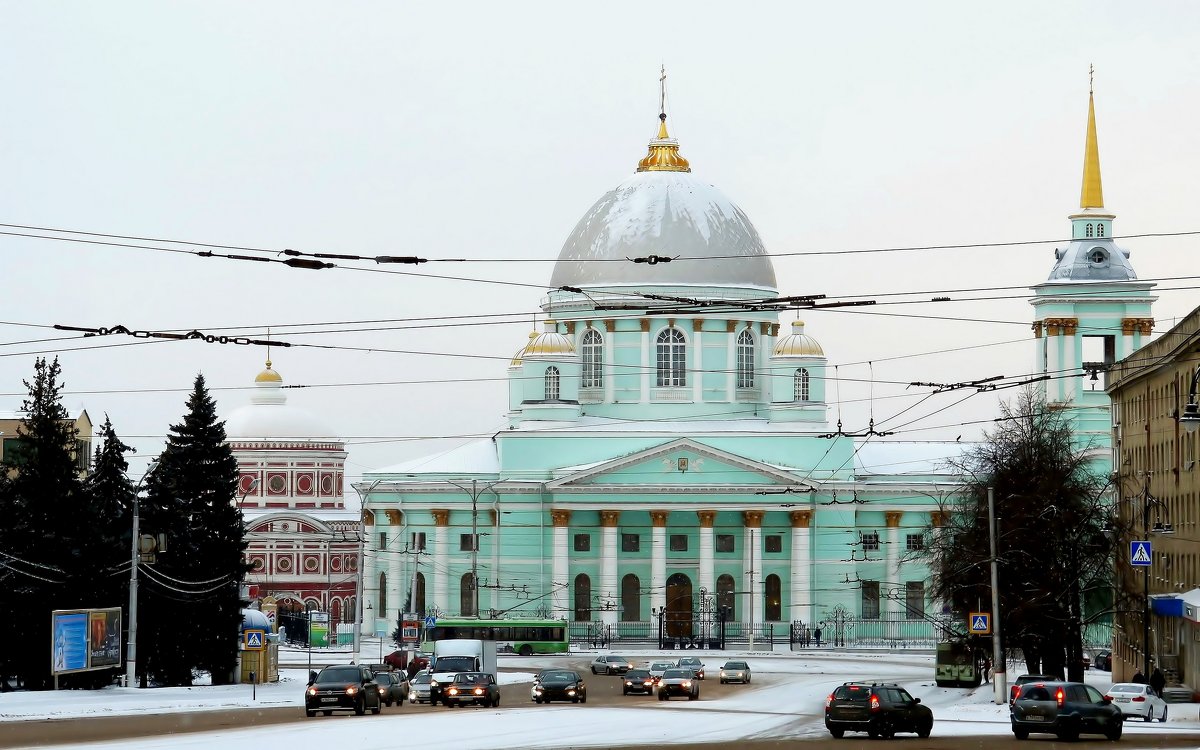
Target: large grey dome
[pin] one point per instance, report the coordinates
(667, 214)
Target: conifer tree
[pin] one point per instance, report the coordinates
(194, 588)
(110, 498)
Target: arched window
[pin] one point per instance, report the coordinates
(800, 385)
(335, 610)
(725, 596)
(1099, 230)
(583, 598)
(631, 598)
(1088, 230)
(420, 598)
(772, 601)
(593, 359)
(468, 596)
(551, 383)
(351, 611)
(672, 359)
(382, 611)
(745, 359)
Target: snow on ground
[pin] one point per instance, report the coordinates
(797, 685)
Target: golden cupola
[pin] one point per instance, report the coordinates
(549, 342)
(664, 152)
(268, 375)
(798, 344)
(516, 360)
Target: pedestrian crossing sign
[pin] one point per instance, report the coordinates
(1139, 554)
(253, 639)
(980, 623)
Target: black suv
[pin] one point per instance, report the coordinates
(879, 709)
(1066, 709)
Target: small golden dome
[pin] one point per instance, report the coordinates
(549, 342)
(798, 344)
(268, 375)
(664, 153)
(516, 360)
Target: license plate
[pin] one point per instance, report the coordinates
(1122, 700)
(1034, 717)
(329, 700)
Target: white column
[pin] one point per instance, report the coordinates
(697, 373)
(752, 560)
(644, 397)
(610, 350)
(370, 592)
(395, 583)
(706, 550)
(893, 584)
(1071, 360)
(1054, 361)
(801, 574)
(608, 566)
(441, 559)
(762, 360)
(658, 560)
(730, 361)
(497, 542)
(561, 580)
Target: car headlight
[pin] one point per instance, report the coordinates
(628, 682)
(571, 691)
(433, 683)
(478, 691)
(351, 690)
(687, 683)
(453, 691)
(383, 691)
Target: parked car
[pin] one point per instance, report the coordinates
(1103, 661)
(1135, 699)
(418, 687)
(343, 688)
(678, 682)
(735, 671)
(1066, 709)
(879, 709)
(608, 664)
(1015, 688)
(638, 681)
(393, 687)
(476, 688)
(399, 660)
(658, 668)
(692, 663)
(558, 685)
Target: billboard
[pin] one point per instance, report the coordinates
(318, 629)
(84, 639)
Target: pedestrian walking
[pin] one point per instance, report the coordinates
(817, 636)
(1138, 677)
(1158, 681)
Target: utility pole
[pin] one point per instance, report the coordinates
(135, 558)
(999, 678)
(475, 547)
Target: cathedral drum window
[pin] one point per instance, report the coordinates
(592, 349)
(304, 484)
(284, 564)
(1098, 256)
(310, 564)
(745, 359)
(326, 484)
(552, 384)
(671, 361)
(352, 564)
(335, 564)
(277, 484)
(257, 564)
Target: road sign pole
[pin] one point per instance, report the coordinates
(999, 678)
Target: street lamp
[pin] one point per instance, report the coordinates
(659, 612)
(135, 558)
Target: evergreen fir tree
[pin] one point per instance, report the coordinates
(195, 586)
(46, 529)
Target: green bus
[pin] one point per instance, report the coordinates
(521, 636)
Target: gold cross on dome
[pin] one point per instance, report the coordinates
(1091, 78)
(662, 91)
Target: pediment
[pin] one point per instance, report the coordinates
(287, 522)
(682, 462)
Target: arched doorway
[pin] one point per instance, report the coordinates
(677, 619)
(382, 611)
(725, 597)
(772, 599)
(583, 598)
(631, 598)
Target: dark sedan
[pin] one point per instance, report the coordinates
(393, 687)
(559, 685)
(678, 682)
(475, 688)
(343, 688)
(638, 681)
(1066, 709)
(692, 663)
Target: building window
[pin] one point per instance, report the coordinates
(468, 595)
(583, 598)
(381, 613)
(773, 543)
(1099, 230)
(914, 600)
(468, 542)
(83, 454)
(551, 383)
(725, 543)
(914, 542)
(383, 540)
(725, 597)
(870, 541)
(583, 542)
(870, 600)
(631, 598)
(679, 542)
(1089, 231)
(772, 600)
(593, 359)
(631, 543)
(14, 454)
(417, 540)
(672, 359)
(800, 385)
(745, 359)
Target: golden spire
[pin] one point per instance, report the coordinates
(1092, 195)
(664, 150)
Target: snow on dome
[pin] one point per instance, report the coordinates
(268, 415)
(667, 214)
(798, 344)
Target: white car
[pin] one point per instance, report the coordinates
(1135, 699)
(657, 668)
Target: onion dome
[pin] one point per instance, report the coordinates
(549, 343)
(664, 152)
(268, 416)
(798, 344)
(516, 360)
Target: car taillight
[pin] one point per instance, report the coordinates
(1140, 699)
(1060, 697)
(829, 701)
(874, 702)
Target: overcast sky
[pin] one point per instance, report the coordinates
(455, 130)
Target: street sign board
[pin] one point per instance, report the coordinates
(1139, 554)
(85, 639)
(254, 639)
(980, 623)
(430, 622)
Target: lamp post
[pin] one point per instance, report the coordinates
(135, 558)
(1159, 527)
(475, 493)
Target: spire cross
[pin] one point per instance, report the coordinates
(662, 91)
(1091, 79)
(268, 348)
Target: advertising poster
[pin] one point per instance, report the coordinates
(318, 629)
(105, 646)
(69, 647)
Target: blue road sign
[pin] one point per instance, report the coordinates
(1139, 554)
(430, 622)
(981, 623)
(253, 639)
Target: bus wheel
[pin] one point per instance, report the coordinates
(526, 650)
